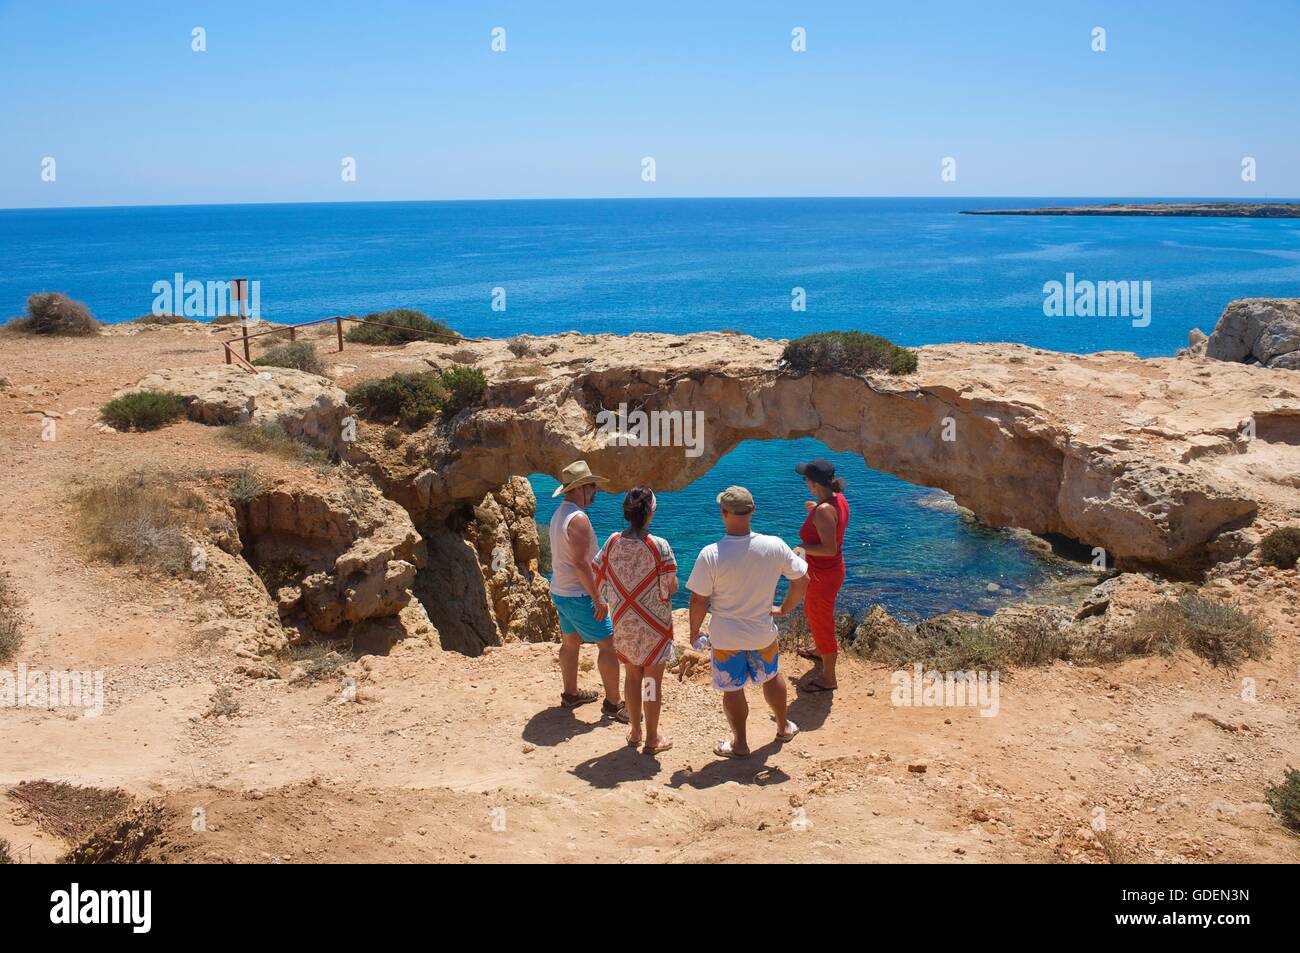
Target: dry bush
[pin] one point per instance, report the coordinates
(6, 853)
(69, 810)
(11, 619)
(943, 643)
(1037, 638)
(222, 702)
(163, 319)
(51, 313)
(140, 518)
(320, 661)
(1220, 633)
(299, 355)
(1116, 853)
(1284, 799)
(518, 369)
(271, 437)
(521, 346)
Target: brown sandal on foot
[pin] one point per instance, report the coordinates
(617, 712)
(584, 696)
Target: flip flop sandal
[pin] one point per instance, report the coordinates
(617, 712)
(723, 750)
(809, 655)
(791, 729)
(585, 696)
(662, 746)
(816, 687)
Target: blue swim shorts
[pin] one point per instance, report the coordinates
(732, 671)
(576, 616)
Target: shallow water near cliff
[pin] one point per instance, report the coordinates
(911, 269)
(908, 548)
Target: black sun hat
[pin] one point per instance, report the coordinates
(819, 471)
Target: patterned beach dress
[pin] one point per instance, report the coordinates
(635, 578)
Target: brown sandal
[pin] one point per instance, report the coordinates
(617, 712)
(584, 696)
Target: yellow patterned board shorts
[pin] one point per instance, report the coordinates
(733, 670)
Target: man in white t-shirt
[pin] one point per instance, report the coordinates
(735, 579)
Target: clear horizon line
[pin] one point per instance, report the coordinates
(653, 198)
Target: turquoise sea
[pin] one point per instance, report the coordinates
(913, 270)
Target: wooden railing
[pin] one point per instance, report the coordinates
(246, 360)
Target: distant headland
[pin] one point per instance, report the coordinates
(1184, 209)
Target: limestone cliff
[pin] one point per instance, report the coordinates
(1162, 463)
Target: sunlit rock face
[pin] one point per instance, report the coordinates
(1263, 331)
(1151, 460)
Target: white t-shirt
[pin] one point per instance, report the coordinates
(739, 575)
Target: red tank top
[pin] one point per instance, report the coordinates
(809, 536)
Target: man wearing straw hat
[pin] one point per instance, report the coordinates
(584, 616)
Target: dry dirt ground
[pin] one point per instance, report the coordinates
(447, 758)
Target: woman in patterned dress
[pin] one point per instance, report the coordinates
(637, 576)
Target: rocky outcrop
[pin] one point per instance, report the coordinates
(1264, 331)
(310, 408)
(343, 552)
(1150, 460)
(482, 586)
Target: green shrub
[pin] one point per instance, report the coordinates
(1220, 633)
(465, 386)
(49, 312)
(403, 325)
(163, 319)
(543, 549)
(1281, 547)
(392, 438)
(143, 410)
(245, 485)
(11, 619)
(1284, 798)
(410, 399)
(414, 399)
(847, 352)
(299, 355)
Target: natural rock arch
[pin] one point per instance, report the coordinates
(1108, 449)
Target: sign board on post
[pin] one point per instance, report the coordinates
(239, 296)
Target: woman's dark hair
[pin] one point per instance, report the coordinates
(637, 506)
(836, 484)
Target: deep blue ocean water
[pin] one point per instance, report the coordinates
(911, 269)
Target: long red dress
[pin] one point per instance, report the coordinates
(825, 577)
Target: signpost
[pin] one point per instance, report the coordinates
(239, 298)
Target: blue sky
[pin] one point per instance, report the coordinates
(412, 90)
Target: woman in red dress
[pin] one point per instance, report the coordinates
(822, 535)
